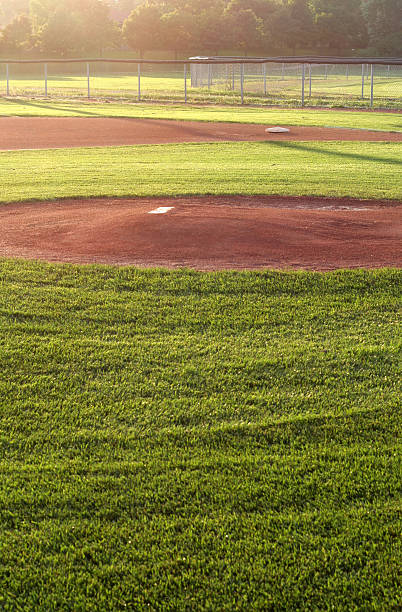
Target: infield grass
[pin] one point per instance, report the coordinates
(273, 116)
(288, 168)
(183, 440)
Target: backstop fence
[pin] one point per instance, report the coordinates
(302, 81)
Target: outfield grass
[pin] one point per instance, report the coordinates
(336, 89)
(173, 82)
(183, 440)
(334, 118)
(288, 168)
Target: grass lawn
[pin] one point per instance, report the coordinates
(334, 118)
(289, 168)
(192, 441)
(336, 89)
(176, 440)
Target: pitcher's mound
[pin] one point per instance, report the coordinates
(207, 233)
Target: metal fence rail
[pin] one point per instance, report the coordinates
(305, 81)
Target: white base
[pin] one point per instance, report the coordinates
(277, 130)
(161, 210)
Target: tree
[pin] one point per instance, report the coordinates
(339, 24)
(17, 35)
(121, 9)
(61, 35)
(384, 19)
(41, 10)
(302, 23)
(142, 29)
(244, 27)
(176, 31)
(9, 10)
(210, 33)
(72, 27)
(98, 29)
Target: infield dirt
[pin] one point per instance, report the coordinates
(64, 132)
(208, 233)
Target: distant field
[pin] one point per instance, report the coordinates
(179, 440)
(336, 89)
(333, 118)
(292, 168)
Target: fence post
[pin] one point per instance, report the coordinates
(303, 77)
(45, 80)
(309, 75)
(283, 72)
(242, 82)
(326, 71)
(209, 76)
(88, 83)
(264, 70)
(233, 76)
(8, 79)
(347, 71)
(139, 81)
(362, 81)
(185, 83)
(372, 86)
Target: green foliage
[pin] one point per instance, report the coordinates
(179, 440)
(245, 29)
(176, 31)
(61, 34)
(142, 29)
(17, 35)
(384, 18)
(199, 27)
(11, 9)
(339, 24)
(73, 27)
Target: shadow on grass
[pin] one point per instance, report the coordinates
(328, 151)
(48, 106)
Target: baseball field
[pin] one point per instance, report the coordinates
(334, 89)
(200, 358)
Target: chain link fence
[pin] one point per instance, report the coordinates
(375, 83)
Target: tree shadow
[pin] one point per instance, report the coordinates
(299, 146)
(50, 106)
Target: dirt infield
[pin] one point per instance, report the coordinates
(207, 233)
(64, 132)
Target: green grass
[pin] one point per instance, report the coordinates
(199, 441)
(288, 168)
(336, 89)
(281, 116)
(189, 441)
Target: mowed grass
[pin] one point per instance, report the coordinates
(336, 89)
(271, 116)
(198, 441)
(286, 168)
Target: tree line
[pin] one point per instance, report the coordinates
(67, 28)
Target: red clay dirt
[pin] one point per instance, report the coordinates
(64, 132)
(208, 233)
